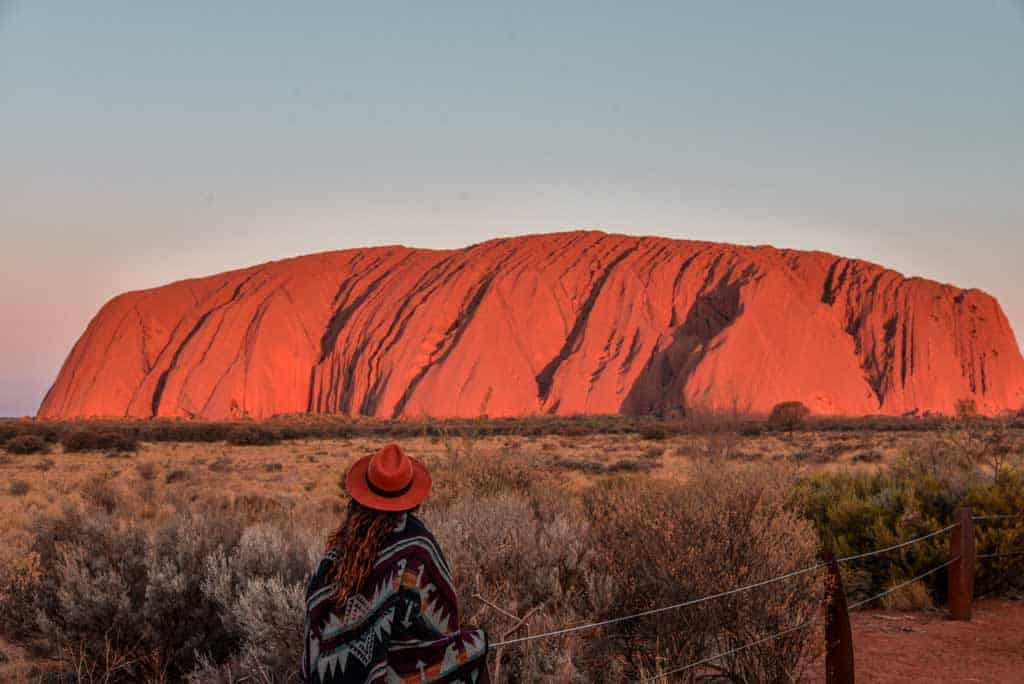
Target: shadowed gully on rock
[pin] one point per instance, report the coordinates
(564, 323)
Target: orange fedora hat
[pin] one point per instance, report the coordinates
(388, 480)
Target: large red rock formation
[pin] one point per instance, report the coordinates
(565, 323)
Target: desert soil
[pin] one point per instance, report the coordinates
(898, 647)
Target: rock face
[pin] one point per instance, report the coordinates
(564, 323)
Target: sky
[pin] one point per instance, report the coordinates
(142, 143)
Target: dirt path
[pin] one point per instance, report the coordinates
(898, 647)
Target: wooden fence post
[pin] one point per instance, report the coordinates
(961, 571)
(838, 635)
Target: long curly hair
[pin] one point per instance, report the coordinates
(357, 543)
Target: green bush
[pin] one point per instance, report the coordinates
(858, 512)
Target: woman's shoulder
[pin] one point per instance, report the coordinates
(413, 539)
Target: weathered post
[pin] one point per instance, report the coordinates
(961, 571)
(838, 635)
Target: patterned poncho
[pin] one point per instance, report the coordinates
(402, 628)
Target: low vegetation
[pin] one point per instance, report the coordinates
(189, 561)
(89, 439)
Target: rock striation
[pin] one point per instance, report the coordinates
(564, 323)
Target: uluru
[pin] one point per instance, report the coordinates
(562, 323)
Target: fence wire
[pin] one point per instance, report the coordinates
(730, 652)
(915, 540)
(663, 609)
(899, 586)
(712, 597)
(1000, 555)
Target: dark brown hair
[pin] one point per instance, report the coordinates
(357, 542)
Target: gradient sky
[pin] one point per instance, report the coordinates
(141, 143)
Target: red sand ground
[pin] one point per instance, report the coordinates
(565, 323)
(899, 648)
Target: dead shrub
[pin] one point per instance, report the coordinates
(18, 488)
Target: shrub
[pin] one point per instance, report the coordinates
(731, 526)
(253, 436)
(654, 453)
(857, 512)
(98, 492)
(273, 467)
(505, 550)
(871, 456)
(98, 440)
(27, 444)
(178, 476)
(159, 604)
(789, 415)
(221, 465)
(966, 408)
(147, 471)
(751, 431)
(654, 432)
(18, 488)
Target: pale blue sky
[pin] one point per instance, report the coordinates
(145, 142)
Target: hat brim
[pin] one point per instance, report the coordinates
(359, 489)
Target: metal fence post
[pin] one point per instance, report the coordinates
(961, 571)
(838, 635)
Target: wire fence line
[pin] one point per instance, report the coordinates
(663, 609)
(773, 580)
(802, 625)
(712, 597)
(1000, 555)
(1017, 516)
(725, 654)
(915, 540)
(899, 586)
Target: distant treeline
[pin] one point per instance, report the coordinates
(82, 432)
